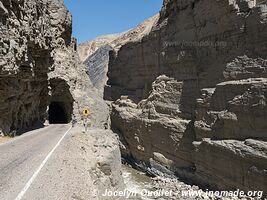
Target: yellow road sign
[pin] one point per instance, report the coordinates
(86, 112)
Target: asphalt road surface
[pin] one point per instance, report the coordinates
(23, 158)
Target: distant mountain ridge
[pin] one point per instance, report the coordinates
(95, 53)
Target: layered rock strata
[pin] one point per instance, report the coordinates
(190, 96)
(95, 53)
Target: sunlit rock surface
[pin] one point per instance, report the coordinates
(190, 97)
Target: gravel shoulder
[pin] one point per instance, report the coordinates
(83, 167)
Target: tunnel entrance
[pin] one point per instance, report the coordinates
(60, 109)
(57, 113)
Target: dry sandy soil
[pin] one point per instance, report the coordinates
(4, 139)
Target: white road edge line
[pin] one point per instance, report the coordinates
(29, 183)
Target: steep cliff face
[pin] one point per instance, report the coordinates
(71, 86)
(42, 79)
(86, 49)
(40, 71)
(97, 64)
(190, 97)
(95, 53)
(30, 30)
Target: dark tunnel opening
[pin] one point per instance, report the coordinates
(57, 113)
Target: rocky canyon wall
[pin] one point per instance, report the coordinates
(189, 98)
(30, 31)
(42, 79)
(79, 92)
(95, 53)
(39, 66)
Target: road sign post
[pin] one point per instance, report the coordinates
(86, 114)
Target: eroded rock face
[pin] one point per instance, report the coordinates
(97, 64)
(39, 66)
(42, 78)
(154, 130)
(233, 117)
(82, 94)
(95, 54)
(86, 49)
(30, 31)
(207, 115)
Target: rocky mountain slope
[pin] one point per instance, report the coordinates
(95, 54)
(39, 65)
(27, 41)
(88, 48)
(42, 79)
(189, 97)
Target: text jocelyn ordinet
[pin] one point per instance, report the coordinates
(184, 193)
(144, 193)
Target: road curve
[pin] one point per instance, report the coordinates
(21, 157)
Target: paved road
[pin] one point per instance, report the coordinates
(21, 158)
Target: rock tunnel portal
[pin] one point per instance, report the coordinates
(57, 113)
(61, 103)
